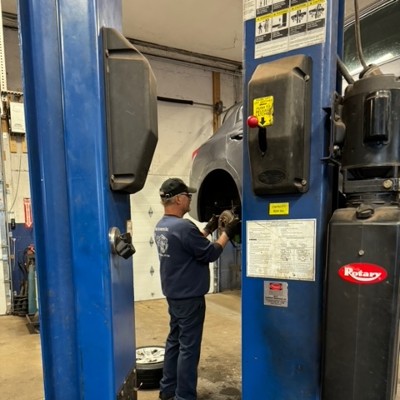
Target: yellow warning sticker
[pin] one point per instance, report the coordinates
(263, 109)
(279, 209)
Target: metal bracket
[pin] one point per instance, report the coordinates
(121, 244)
(128, 390)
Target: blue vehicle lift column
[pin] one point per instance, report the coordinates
(288, 193)
(85, 290)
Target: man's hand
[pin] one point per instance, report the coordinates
(232, 227)
(212, 225)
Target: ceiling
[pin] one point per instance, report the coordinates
(209, 27)
(212, 27)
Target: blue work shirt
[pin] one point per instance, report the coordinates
(184, 257)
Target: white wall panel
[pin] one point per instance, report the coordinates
(146, 272)
(182, 128)
(146, 210)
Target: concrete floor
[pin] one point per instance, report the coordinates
(219, 371)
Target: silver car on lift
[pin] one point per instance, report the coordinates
(217, 169)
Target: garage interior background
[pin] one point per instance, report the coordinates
(182, 129)
(195, 50)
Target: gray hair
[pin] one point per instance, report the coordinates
(167, 201)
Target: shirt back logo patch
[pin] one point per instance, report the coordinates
(162, 243)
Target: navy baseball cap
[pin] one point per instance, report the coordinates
(173, 186)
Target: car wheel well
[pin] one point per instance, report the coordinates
(218, 192)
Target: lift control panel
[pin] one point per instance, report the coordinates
(279, 125)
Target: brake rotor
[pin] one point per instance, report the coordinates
(224, 218)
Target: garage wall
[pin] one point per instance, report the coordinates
(16, 183)
(182, 128)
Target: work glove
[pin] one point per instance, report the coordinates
(212, 224)
(232, 228)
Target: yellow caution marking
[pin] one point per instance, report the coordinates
(278, 209)
(263, 109)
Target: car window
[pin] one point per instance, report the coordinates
(232, 111)
(239, 115)
(380, 38)
(228, 113)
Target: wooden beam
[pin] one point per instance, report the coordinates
(216, 82)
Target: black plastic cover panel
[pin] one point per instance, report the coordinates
(131, 102)
(362, 312)
(279, 148)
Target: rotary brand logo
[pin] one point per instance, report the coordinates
(363, 273)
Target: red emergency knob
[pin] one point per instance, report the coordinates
(252, 121)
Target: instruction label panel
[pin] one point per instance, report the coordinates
(249, 9)
(281, 249)
(283, 25)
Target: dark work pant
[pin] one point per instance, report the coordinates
(182, 350)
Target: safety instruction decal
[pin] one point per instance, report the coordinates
(263, 109)
(249, 9)
(283, 25)
(281, 249)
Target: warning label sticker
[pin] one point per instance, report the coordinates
(263, 109)
(283, 25)
(278, 209)
(275, 294)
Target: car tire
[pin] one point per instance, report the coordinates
(149, 366)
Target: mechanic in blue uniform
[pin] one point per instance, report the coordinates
(185, 253)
